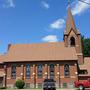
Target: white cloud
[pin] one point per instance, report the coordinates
(45, 5)
(9, 3)
(80, 7)
(50, 38)
(58, 24)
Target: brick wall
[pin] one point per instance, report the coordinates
(34, 81)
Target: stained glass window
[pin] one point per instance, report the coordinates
(39, 71)
(66, 70)
(28, 71)
(13, 71)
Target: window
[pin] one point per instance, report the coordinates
(83, 72)
(13, 71)
(66, 70)
(51, 70)
(39, 71)
(1, 81)
(28, 71)
(72, 41)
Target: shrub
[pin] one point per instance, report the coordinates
(20, 84)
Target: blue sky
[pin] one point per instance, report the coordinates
(36, 21)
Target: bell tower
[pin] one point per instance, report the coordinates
(72, 37)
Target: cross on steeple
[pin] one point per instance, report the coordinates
(69, 2)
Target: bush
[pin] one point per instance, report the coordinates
(20, 84)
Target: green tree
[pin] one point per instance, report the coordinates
(86, 46)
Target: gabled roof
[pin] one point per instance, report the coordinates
(40, 52)
(2, 58)
(86, 65)
(70, 24)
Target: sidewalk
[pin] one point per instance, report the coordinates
(66, 89)
(56, 89)
(37, 89)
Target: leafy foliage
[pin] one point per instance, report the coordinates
(86, 46)
(20, 84)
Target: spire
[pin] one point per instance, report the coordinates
(70, 24)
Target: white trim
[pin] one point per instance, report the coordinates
(61, 76)
(80, 54)
(72, 77)
(77, 45)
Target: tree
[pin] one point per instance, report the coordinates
(85, 46)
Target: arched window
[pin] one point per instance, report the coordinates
(66, 70)
(27, 70)
(39, 71)
(51, 70)
(13, 71)
(72, 41)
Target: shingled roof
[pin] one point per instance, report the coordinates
(40, 52)
(86, 66)
(2, 59)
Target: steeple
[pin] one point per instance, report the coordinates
(70, 24)
(72, 37)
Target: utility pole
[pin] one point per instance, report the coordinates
(84, 2)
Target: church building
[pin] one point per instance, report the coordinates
(62, 61)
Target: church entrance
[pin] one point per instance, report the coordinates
(1, 81)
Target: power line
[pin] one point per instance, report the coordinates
(84, 2)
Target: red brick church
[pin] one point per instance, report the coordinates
(62, 61)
